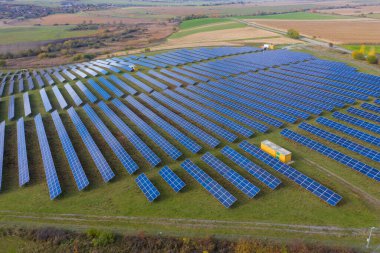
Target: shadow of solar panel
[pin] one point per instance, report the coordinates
(96, 155)
(216, 190)
(146, 186)
(114, 144)
(264, 176)
(172, 179)
(72, 158)
(22, 157)
(47, 159)
(232, 176)
(144, 150)
(333, 154)
(309, 184)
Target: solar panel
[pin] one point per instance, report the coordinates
(11, 107)
(114, 144)
(45, 100)
(333, 154)
(264, 176)
(357, 122)
(212, 127)
(72, 158)
(27, 109)
(371, 107)
(161, 142)
(110, 86)
(213, 187)
(309, 184)
(165, 126)
(91, 97)
(138, 83)
(364, 114)
(2, 139)
(73, 95)
(193, 75)
(232, 176)
(50, 172)
(196, 131)
(146, 186)
(104, 94)
(79, 73)
(21, 85)
(186, 80)
(350, 145)
(123, 85)
(22, 157)
(349, 131)
(152, 80)
(97, 156)
(60, 98)
(172, 179)
(11, 87)
(69, 75)
(144, 150)
(165, 78)
(30, 83)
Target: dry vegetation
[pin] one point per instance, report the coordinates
(353, 11)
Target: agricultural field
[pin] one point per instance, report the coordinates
(368, 48)
(119, 203)
(298, 16)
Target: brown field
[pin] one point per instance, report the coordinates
(337, 31)
(353, 11)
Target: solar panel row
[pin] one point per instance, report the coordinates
(22, 156)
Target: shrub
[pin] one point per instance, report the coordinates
(357, 55)
(100, 238)
(294, 34)
(3, 63)
(77, 57)
(42, 55)
(147, 50)
(372, 59)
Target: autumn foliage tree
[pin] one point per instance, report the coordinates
(292, 33)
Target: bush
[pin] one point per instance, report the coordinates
(372, 59)
(147, 50)
(292, 33)
(3, 63)
(357, 55)
(100, 238)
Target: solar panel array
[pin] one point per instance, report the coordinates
(27, 109)
(309, 184)
(357, 122)
(333, 154)
(172, 179)
(213, 187)
(2, 141)
(146, 186)
(22, 156)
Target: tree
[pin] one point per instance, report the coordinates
(3, 63)
(372, 56)
(294, 34)
(358, 55)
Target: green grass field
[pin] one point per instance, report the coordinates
(195, 23)
(298, 16)
(120, 205)
(368, 47)
(38, 33)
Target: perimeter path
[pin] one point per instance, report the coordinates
(302, 38)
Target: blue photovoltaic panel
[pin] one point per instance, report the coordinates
(11, 107)
(377, 101)
(371, 107)
(309, 184)
(91, 97)
(2, 139)
(172, 179)
(114, 144)
(252, 168)
(357, 122)
(21, 85)
(196, 131)
(152, 80)
(144, 150)
(60, 98)
(146, 186)
(73, 95)
(161, 142)
(349, 131)
(69, 75)
(166, 79)
(364, 114)
(138, 83)
(45, 100)
(123, 85)
(209, 125)
(110, 86)
(97, 156)
(350, 145)
(72, 158)
(193, 75)
(105, 95)
(232, 176)
(213, 187)
(50, 172)
(22, 157)
(167, 127)
(179, 77)
(27, 109)
(333, 154)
